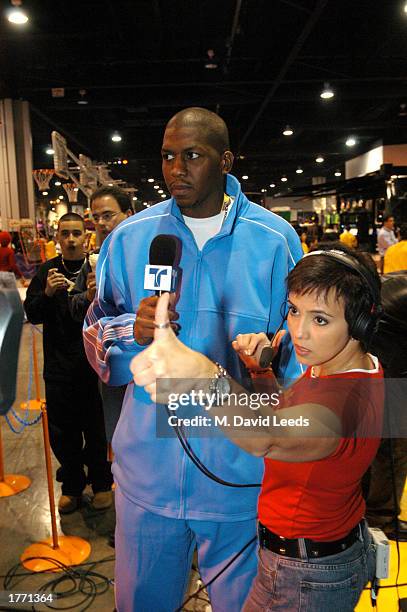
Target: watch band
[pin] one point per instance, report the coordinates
(221, 373)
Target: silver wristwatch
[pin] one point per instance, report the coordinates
(220, 384)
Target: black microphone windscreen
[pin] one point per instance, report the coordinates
(163, 250)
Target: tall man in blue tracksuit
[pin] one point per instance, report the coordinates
(235, 259)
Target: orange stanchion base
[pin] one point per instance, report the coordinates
(71, 551)
(13, 484)
(33, 404)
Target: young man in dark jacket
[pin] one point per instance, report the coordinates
(76, 425)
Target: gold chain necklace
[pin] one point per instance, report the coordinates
(71, 272)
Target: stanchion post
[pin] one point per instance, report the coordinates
(34, 404)
(49, 475)
(36, 375)
(49, 554)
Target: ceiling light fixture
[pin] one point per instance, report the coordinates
(58, 183)
(156, 186)
(17, 15)
(45, 193)
(338, 173)
(284, 179)
(245, 177)
(327, 92)
(211, 63)
(82, 100)
(49, 150)
(319, 159)
(288, 131)
(264, 190)
(116, 137)
(272, 185)
(134, 198)
(299, 170)
(350, 142)
(150, 180)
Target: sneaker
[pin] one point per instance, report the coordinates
(102, 500)
(68, 504)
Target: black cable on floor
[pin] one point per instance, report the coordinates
(79, 579)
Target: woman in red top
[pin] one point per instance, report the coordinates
(315, 550)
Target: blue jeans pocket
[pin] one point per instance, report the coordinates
(338, 595)
(261, 595)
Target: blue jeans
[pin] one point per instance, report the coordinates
(330, 583)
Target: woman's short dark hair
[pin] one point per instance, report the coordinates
(321, 274)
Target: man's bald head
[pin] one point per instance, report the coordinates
(212, 127)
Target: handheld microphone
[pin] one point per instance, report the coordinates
(161, 273)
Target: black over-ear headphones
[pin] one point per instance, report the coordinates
(364, 325)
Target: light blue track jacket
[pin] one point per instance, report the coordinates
(236, 284)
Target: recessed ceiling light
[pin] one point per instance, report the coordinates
(49, 151)
(327, 93)
(338, 173)
(245, 177)
(58, 183)
(272, 185)
(60, 197)
(134, 198)
(45, 193)
(288, 131)
(350, 142)
(163, 195)
(116, 137)
(299, 170)
(284, 179)
(264, 190)
(17, 16)
(319, 159)
(150, 180)
(160, 191)
(156, 186)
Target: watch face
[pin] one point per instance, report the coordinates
(223, 385)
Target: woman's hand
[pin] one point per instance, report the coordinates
(250, 346)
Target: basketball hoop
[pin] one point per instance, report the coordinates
(71, 191)
(60, 155)
(43, 178)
